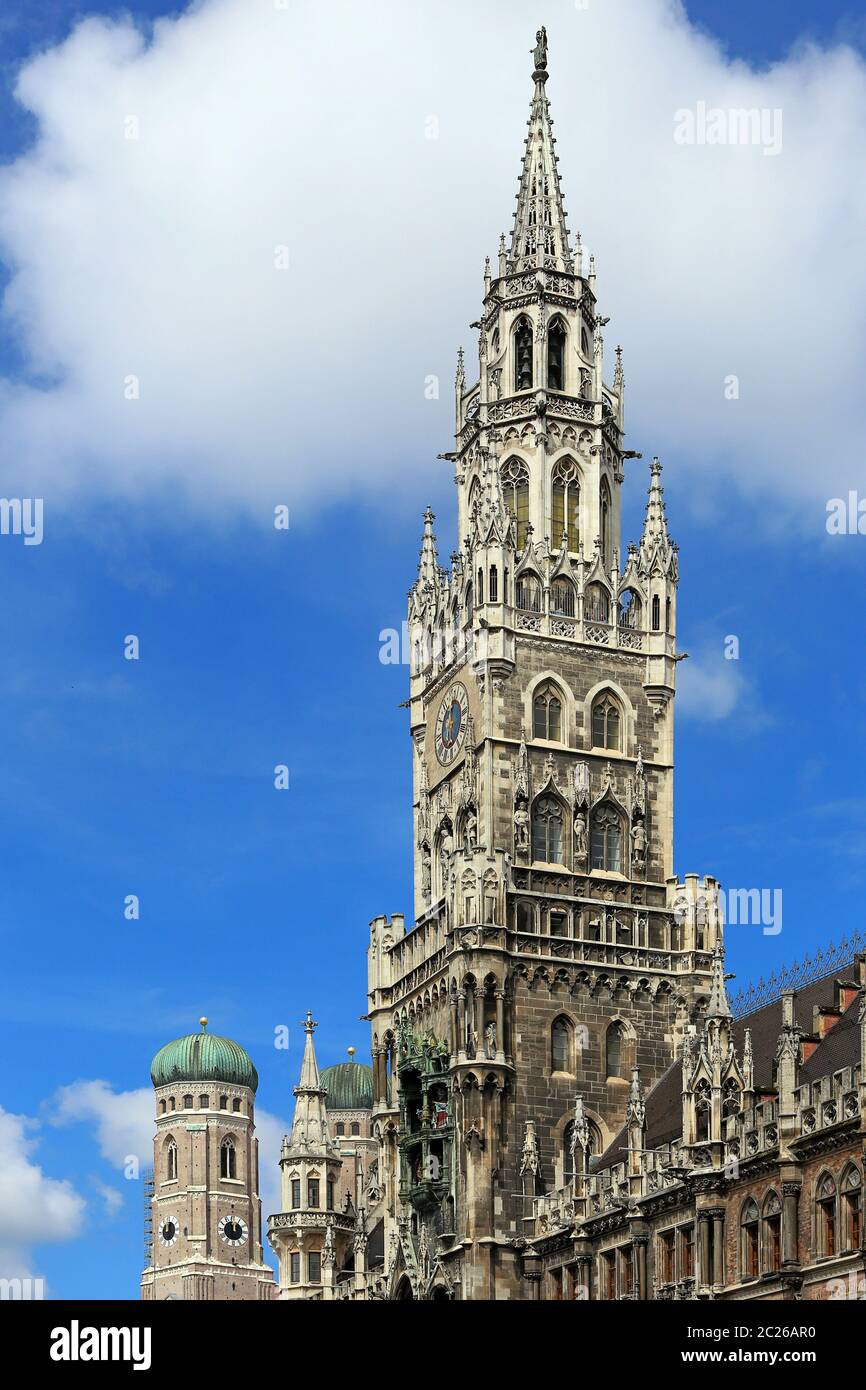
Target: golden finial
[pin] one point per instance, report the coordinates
(203, 1022)
(351, 1051)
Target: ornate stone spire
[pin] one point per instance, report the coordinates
(655, 527)
(428, 564)
(310, 1130)
(718, 1005)
(540, 236)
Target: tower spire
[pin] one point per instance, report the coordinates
(310, 1129)
(655, 529)
(718, 1005)
(540, 236)
(428, 564)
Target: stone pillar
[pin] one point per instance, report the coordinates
(639, 1247)
(500, 1025)
(790, 1222)
(719, 1274)
(461, 1025)
(583, 1278)
(704, 1229)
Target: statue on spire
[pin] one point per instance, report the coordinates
(540, 54)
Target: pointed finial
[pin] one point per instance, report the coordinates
(351, 1052)
(203, 1022)
(310, 1025)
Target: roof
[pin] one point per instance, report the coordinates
(203, 1057)
(349, 1086)
(840, 1048)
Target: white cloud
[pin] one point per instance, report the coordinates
(709, 687)
(33, 1208)
(124, 1119)
(260, 127)
(270, 1130)
(112, 1197)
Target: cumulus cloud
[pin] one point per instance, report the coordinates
(708, 687)
(144, 231)
(123, 1119)
(33, 1208)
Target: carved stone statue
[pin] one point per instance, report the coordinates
(425, 874)
(471, 829)
(580, 840)
(540, 54)
(490, 1040)
(638, 843)
(521, 828)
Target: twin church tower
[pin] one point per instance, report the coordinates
(553, 951)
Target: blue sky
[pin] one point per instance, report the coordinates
(259, 647)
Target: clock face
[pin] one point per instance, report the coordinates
(168, 1231)
(451, 724)
(232, 1230)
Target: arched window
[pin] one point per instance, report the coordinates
(852, 1219)
(529, 593)
(515, 488)
(667, 615)
(470, 603)
(493, 587)
(228, 1159)
(547, 714)
(825, 1212)
(340, 1129)
(480, 590)
(614, 1049)
(547, 830)
(606, 723)
(596, 604)
(523, 347)
(561, 1035)
(556, 339)
(749, 1224)
(170, 1160)
(630, 610)
(703, 1112)
(562, 599)
(657, 613)
(604, 522)
(772, 1234)
(356, 1128)
(730, 1098)
(606, 839)
(565, 518)
(585, 347)
(573, 1154)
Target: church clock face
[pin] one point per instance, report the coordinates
(232, 1230)
(451, 724)
(168, 1231)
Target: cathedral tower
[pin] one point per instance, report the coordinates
(554, 951)
(206, 1212)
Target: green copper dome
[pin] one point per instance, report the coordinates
(203, 1057)
(349, 1086)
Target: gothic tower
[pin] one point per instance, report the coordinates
(206, 1213)
(311, 1236)
(554, 951)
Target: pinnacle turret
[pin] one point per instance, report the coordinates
(540, 236)
(718, 1005)
(310, 1130)
(428, 564)
(656, 538)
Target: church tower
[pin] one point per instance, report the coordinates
(206, 1213)
(554, 951)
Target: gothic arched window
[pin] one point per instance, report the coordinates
(556, 340)
(657, 613)
(525, 917)
(493, 585)
(630, 610)
(703, 1112)
(515, 489)
(547, 714)
(606, 724)
(547, 830)
(772, 1234)
(825, 1213)
(529, 593)
(596, 604)
(561, 1035)
(523, 348)
(228, 1159)
(604, 522)
(851, 1188)
(562, 598)
(614, 1049)
(170, 1160)
(731, 1098)
(606, 839)
(565, 517)
(749, 1227)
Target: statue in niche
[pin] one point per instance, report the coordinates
(580, 840)
(638, 844)
(490, 1040)
(426, 874)
(470, 829)
(446, 849)
(521, 827)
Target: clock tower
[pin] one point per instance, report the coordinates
(206, 1213)
(554, 950)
